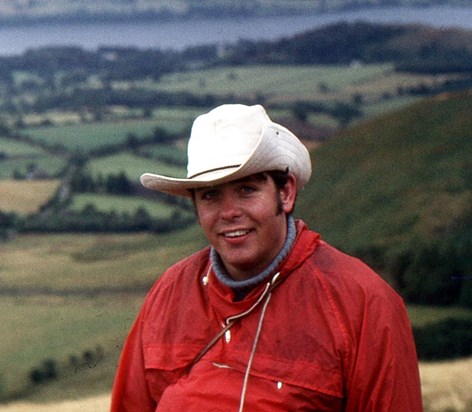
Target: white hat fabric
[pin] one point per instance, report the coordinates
(231, 142)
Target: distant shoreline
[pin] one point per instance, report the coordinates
(149, 16)
(167, 16)
(148, 31)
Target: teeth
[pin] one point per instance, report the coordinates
(237, 233)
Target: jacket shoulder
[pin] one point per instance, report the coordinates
(340, 271)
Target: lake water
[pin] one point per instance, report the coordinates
(181, 34)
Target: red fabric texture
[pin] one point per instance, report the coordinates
(335, 337)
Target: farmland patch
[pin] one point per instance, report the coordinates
(88, 136)
(25, 196)
(133, 166)
(122, 204)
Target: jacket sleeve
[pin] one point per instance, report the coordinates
(130, 389)
(383, 374)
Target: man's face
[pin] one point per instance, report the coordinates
(242, 222)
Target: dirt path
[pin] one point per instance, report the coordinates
(447, 386)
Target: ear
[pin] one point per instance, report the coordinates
(288, 194)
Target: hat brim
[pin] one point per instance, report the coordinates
(290, 154)
(183, 187)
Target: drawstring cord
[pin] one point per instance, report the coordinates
(231, 321)
(254, 344)
(247, 312)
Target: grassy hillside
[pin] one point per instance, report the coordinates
(395, 183)
(64, 295)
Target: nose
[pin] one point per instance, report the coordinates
(229, 207)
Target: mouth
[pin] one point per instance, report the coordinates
(235, 234)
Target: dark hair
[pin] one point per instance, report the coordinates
(280, 177)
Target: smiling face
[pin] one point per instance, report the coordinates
(245, 221)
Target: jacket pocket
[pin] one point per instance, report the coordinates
(323, 377)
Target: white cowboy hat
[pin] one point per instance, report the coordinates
(231, 142)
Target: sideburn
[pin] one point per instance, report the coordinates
(279, 204)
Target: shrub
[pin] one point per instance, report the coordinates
(46, 372)
(37, 376)
(50, 369)
(447, 339)
(431, 272)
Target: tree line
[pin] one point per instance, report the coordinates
(56, 217)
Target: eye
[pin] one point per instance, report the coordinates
(208, 194)
(247, 189)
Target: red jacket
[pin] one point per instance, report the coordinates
(334, 337)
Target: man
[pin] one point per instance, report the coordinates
(269, 317)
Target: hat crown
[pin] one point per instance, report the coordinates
(231, 142)
(224, 138)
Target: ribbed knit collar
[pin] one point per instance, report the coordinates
(245, 285)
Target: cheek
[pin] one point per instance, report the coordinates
(205, 219)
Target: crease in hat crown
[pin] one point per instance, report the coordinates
(224, 139)
(233, 141)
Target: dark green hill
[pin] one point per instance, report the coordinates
(397, 192)
(414, 48)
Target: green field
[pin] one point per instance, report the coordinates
(122, 204)
(375, 83)
(75, 325)
(424, 315)
(20, 157)
(300, 82)
(90, 136)
(88, 262)
(87, 290)
(133, 166)
(12, 147)
(51, 165)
